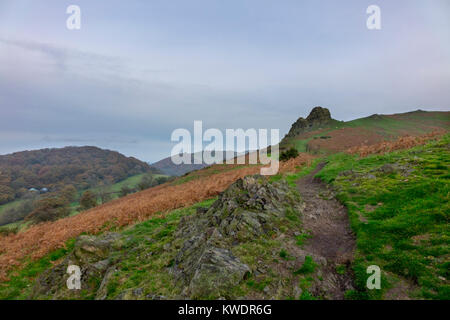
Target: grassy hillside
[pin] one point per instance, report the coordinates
(336, 136)
(160, 229)
(397, 203)
(127, 210)
(399, 209)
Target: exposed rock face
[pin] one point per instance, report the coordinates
(318, 116)
(205, 265)
(91, 254)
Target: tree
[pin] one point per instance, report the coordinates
(104, 195)
(291, 153)
(161, 180)
(125, 190)
(48, 209)
(147, 181)
(17, 213)
(88, 200)
(6, 194)
(69, 192)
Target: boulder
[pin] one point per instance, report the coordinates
(91, 255)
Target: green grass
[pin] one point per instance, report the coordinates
(341, 269)
(401, 221)
(384, 125)
(143, 259)
(133, 258)
(307, 296)
(131, 182)
(10, 205)
(309, 266)
(292, 178)
(413, 123)
(300, 239)
(21, 281)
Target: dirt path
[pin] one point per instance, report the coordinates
(331, 237)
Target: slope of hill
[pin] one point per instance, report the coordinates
(285, 257)
(399, 209)
(13, 214)
(413, 263)
(319, 133)
(83, 167)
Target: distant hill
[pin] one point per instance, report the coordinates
(166, 165)
(83, 167)
(320, 133)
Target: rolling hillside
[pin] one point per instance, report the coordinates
(358, 199)
(319, 133)
(82, 167)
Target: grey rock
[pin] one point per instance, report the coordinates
(201, 210)
(388, 168)
(205, 266)
(102, 291)
(318, 117)
(91, 255)
(297, 292)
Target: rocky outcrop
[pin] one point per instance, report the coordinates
(318, 117)
(248, 209)
(91, 255)
(201, 263)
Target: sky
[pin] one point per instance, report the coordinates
(138, 70)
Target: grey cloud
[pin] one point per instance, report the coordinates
(111, 139)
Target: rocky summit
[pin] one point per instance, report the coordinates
(319, 116)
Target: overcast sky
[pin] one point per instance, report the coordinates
(137, 70)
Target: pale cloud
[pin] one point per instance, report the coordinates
(139, 70)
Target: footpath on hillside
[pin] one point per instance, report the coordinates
(331, 237)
